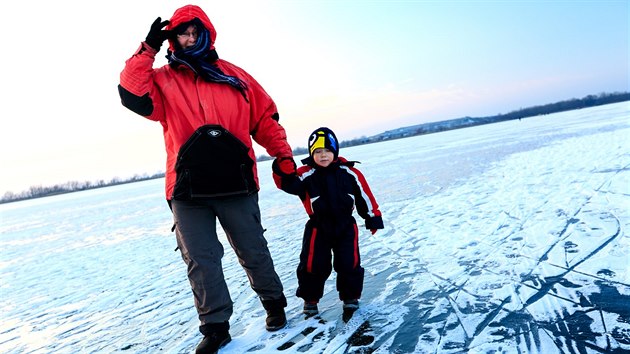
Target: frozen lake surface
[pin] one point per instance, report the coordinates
(504, 238)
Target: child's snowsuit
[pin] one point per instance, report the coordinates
(329, 196)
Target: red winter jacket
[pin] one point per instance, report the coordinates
(207, 126)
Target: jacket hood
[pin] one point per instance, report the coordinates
(188, 13)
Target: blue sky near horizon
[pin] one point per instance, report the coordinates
(359, 67)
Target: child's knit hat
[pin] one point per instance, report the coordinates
(323, 138)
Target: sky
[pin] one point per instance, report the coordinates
(502, 238)
(358, 67)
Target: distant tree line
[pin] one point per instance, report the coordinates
(425, 128)
(72, 186)
(568, 105)
(434, 127)
(296, 151)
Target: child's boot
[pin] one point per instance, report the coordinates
(349, 307)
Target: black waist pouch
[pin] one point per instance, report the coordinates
(213, 163)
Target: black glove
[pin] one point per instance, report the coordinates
(374, 223)
(157, 35)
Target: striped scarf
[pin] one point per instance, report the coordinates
(199, 58)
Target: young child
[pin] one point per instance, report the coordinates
(329, 187)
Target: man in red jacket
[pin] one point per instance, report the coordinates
(210, 110)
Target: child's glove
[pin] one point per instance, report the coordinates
(283, 168)
(374, 223)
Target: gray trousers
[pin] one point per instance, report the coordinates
(202, 251)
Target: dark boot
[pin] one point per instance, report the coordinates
(349, 307)
(276, 318)
(215, 335)
(310, 308)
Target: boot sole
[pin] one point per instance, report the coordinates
(275, 328)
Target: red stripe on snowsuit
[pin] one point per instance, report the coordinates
(311, 251)
(356, 246)
(366, 193)
(303, 173)
(307, 204)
